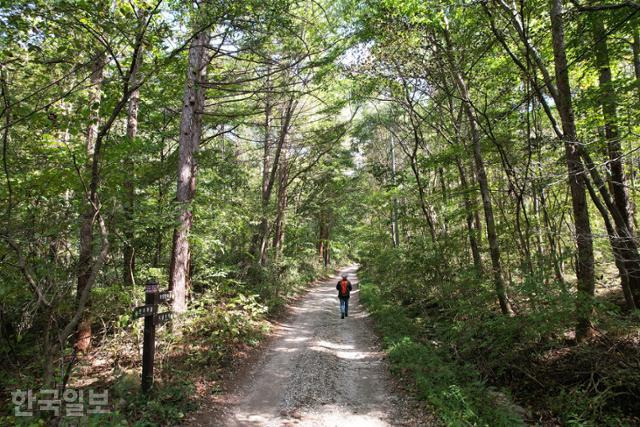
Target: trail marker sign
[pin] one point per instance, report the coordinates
(143, 311)
(151, 319)
(165, 296)
(162, 318)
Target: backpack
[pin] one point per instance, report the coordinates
(343, 287)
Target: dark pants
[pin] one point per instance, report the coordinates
(344, 305)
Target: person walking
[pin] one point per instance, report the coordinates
(344, 291)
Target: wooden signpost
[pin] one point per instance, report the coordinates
(151, 319)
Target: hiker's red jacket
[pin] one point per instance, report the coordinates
(344, 289)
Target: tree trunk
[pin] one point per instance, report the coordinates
(327, 253)
(6, 112)
(395, 232)
(616, 246)
(48, 352)
(269, 172)
(523, 238)
(610, 115)
(259, 243)
(426, 209)
(445, 197)
(630, 272)
(469, 208)
(85, 261)
(492, 236)
(159, 229)
(324, 234)
(625, 241)
(190, 134)
(281, 206)
(549, 231)
(584, 266)
(129, 188)
(538, 232)
(635, 46)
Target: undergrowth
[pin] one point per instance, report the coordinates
(228, 315)
(447, 333)
(226, 318)
(456, 392)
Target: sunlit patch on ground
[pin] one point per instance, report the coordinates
(321, 371)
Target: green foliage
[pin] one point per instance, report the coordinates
(48, 53)
(365, 79)
(448, 337)
(453, 390)
(217, 324)
(166, 404)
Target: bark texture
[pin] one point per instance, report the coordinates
(87, 220)
(584, 239)
(190, 134)
(622, 242)
(128, 251)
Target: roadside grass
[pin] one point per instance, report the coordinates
(472, 364)
(456, 392)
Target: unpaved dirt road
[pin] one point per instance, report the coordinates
(320, 370)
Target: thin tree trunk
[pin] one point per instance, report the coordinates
(469, 208)
(524, 241)
(535, 183)
(445, 197)
(159, 229)
(424, 207)
(477, 220)
(626, 241)
(538, 233)
(190, 133)
(610, 114)
(5, 142)
(261, 240)
(48, 352)
(85, 261)
(616, 245)
(549, 231)
(427, 209)
(324, 237)
(281, 206)
(635, 47)
(617, 181)
(584, 239)
(395, 233)
(128, 251)
(492, 236)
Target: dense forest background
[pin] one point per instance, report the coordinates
(478, 159)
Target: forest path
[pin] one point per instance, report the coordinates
(320, 370)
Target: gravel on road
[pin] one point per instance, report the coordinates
(321, 370)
